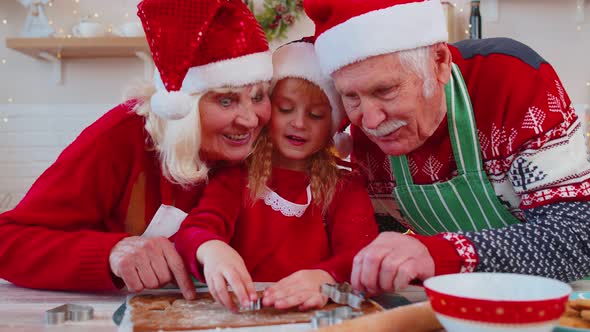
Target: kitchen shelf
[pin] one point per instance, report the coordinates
(55, 50)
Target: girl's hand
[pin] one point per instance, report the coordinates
(302, 289)
(223, 266)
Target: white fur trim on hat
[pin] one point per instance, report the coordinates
(298, 60)
(173, 105)
(235, 72)
(388, 30)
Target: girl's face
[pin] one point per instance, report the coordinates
(300, 122)
(231, 120)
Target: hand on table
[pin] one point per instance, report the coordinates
(390, 263)
(150, 263)
(302, 289)
(223, 266)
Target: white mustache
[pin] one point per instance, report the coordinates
(386, 128)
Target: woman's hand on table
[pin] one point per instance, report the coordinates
(223, 266)
(301, 289)
(150, 263)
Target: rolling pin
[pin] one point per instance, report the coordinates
(417, 317)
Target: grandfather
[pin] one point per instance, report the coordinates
(487, 152)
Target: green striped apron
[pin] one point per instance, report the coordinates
(467, 202)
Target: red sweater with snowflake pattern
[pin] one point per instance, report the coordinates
(527, 130)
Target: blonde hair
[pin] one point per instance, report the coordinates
(321, 166)
(177, 142)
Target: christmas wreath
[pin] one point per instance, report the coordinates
(277, 16)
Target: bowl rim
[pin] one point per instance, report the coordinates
(489, 310)
(567, 289)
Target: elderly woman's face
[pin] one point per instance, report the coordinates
(231, 120)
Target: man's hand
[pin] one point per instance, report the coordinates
(302, 289)
(390, 263)
(223, 266)
(150, 263)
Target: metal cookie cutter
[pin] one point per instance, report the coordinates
(68, 312)
(343, 294)
(333, 317)
(252, 306)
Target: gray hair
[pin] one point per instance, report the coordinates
(416, 60)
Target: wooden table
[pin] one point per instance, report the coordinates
(23, 309)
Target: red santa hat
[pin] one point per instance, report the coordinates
(349, 31)
(298, 59)
(198, 45)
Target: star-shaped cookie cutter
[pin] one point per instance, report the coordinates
(343, 294)
(68, 312)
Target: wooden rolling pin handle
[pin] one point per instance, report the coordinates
(417, 317)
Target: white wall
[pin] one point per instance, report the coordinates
(43, 117)
(550, 28)
(31, 139)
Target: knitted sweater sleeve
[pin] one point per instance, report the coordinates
(351, 226)
(214, 218)
(56, 237)
(554, 242)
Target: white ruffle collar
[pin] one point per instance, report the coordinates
(285, 207)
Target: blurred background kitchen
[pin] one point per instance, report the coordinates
(51, 89)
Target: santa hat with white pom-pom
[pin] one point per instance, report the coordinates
(198, 45)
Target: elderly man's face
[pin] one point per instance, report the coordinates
(388, 103)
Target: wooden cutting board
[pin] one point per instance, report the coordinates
(171, 312)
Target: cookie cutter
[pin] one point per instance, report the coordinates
(332, 317)
(252, 306)
(343, 294)
(68, 312)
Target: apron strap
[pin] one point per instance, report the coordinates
(462, 128)
(401, 171)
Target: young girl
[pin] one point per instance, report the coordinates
(291, 216)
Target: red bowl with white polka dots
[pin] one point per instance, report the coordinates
(494, 302)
